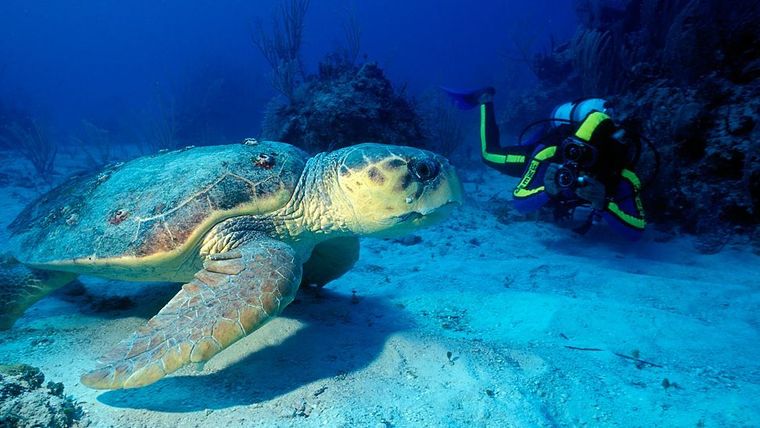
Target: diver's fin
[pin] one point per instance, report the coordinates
(466, 100)
(22, 286)
(234, 294)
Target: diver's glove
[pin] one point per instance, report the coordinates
(550, 179)
(592, 191)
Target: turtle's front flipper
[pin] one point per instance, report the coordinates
(235, 293)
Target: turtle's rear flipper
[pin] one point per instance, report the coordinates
(236, 293)
(22, 286)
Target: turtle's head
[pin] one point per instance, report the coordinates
(391, 190)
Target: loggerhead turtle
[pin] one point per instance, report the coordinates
(241, 225)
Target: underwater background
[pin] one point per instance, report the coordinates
(490, 318)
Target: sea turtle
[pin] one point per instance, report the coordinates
(241, 225)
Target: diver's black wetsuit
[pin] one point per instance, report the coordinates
(509, 160)
(621, 206)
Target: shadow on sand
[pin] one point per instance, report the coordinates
(340, 336)
(603, 240)
(137, 299)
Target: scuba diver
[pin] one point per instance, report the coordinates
(579, 157)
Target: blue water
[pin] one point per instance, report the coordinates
(105, 60)
(490, 318)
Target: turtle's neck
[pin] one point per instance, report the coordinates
(317, 208)
(316, 211)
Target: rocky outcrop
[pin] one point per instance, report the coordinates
(27, 401)
(342, 105)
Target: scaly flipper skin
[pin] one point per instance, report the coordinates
(22, 286)
(236, 293)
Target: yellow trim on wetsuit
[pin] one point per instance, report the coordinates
(520, 190)
(633, 221)
(491, 157)
(632, 177)
(589, 125)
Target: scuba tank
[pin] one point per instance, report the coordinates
(576, 111)
(570, 113)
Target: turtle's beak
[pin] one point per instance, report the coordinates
(437, 198)
(431, 217)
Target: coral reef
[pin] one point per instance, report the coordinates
(25, 400)
(281, 47)
(344, 104)
(441, 124)
(208, 106)
(28, 138)
(95, 142)
(21, 133)
(685, 74)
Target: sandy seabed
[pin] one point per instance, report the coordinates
(473, 323)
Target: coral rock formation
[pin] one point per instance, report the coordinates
(342, 105)
(25, 400)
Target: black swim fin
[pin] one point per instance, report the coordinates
(466, 100)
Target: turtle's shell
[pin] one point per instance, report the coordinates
(154, 205)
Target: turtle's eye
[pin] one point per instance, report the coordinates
(424, 169)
